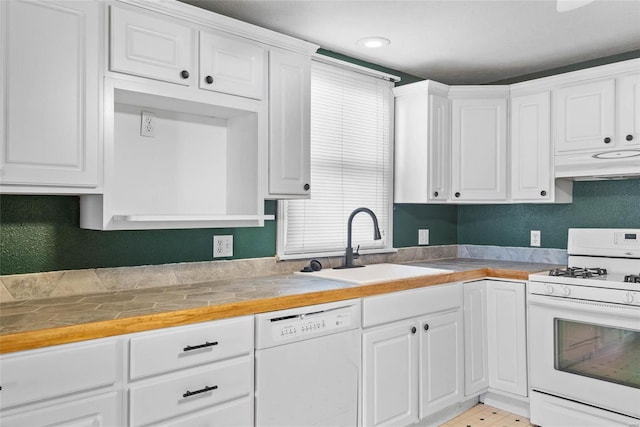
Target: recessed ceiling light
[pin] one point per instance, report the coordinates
(373, 42)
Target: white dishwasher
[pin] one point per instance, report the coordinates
(308, 366)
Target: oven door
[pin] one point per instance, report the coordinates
(586, 351)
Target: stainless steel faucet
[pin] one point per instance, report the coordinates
(348, 253)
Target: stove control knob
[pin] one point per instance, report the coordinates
(629, 298)
(549, 289)
(566, 291)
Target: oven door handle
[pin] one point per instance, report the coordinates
(582, 305)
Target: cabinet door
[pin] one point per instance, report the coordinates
(390, 375)
(531, 168)
(439, 148)
(289, 123)
(151, 47)
(49, 85)
(584, 116)
(507, 343)
(411, 156)
(441, 362)
(479, 149)
(98, 411)
(231, 66)
(628, 109)
(476, 369)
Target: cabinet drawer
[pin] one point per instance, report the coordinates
(96, 411)
(171, 349)
(189, 391)
(238, 413)
(147, 46)
(40, 374)
(406, 304)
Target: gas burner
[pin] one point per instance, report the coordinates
(632, 278)
(579, 272)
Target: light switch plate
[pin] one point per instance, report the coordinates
(423, 237)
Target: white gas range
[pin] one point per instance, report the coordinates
(584, 333)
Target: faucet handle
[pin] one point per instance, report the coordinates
(356, 254)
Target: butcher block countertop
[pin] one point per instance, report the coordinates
(31, 324)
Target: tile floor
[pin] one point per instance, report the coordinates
(484, 416)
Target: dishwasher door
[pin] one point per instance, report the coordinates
(309, 383)
(308, 366)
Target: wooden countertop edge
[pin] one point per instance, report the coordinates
(30, 340)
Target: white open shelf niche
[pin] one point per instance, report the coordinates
(202, 169)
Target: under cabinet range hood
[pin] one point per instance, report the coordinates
(619, 163)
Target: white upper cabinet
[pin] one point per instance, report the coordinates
(585, 116)
(479, 149)
(231, 65)
(289, 124)
(49, 86)
(532, 178)
(422, 143)
(147, 46)
(161, 48)
(531, 167)
(628, 108)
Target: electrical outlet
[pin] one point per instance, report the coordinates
(222, 246)
(535, 237)
(148, 124)
(423, 237)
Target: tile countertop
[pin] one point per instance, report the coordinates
(33, 324)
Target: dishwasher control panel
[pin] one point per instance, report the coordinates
(312, 324)
(281, 327)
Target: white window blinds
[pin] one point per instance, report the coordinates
(351, 117)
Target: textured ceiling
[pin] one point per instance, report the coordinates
(454, 42)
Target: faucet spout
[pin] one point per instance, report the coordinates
(348, 253)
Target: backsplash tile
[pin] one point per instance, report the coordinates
(90, 281)
(518, 254)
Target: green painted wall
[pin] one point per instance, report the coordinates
(42, 233)
(440, 220)
(614, 204)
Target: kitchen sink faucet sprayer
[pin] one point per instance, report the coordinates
(348, 253)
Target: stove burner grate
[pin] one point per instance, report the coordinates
(579, 272)
(632, 278)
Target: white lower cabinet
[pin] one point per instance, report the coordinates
(96, 411)
(197, 375)
(441, 362)
(495, 337)
(412, 367)
(390, 374)
(70, 385)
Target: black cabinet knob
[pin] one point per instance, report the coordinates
(629, 138)
(457, 194)
(414, 330)
(543, 193)
(607, 140)
(426, 326)
(435, 194)
(307, 187)
(208, 79)
(184, 74)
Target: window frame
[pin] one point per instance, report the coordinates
(281, 217)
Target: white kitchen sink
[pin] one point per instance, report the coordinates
(376, 273)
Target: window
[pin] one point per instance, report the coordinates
(351, 116)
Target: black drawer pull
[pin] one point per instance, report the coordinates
(196, 347)
(204, 390)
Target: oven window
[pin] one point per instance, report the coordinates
(596, 351)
